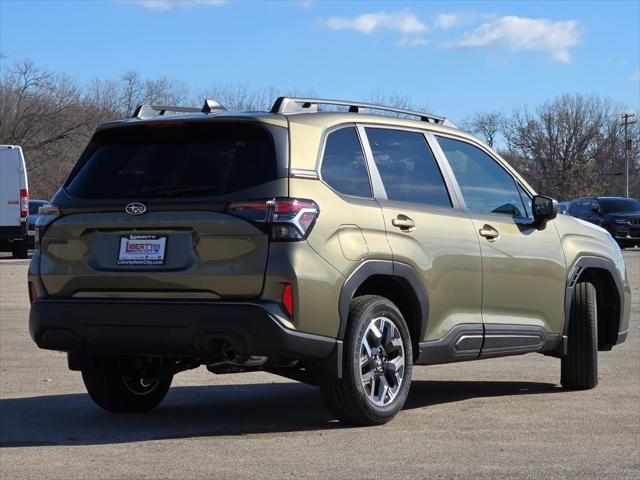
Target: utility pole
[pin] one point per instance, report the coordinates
(628, 119)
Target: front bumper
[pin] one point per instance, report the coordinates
(195, 329)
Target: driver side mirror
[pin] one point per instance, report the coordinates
(544, 209)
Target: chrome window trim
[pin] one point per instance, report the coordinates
(447, 173)
(379, 192)
(303, 173)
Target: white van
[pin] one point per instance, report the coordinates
(14, 201)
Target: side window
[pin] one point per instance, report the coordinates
(343, 164)
(526, 199)
(407, 167)
(485, 185)
(574, 209)
(583, 209)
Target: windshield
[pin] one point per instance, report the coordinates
(174, 159)
(619, 205)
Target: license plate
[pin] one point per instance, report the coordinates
(142, 250)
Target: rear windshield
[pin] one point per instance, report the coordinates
(169, 159)
(619, 205)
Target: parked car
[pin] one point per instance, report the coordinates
(620, 216)
(335, 248)
(14, 201)
(563, 207)
(34, 206)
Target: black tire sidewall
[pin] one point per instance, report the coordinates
(108, 390)
(377, 307)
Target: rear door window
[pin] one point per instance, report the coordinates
(407, 167)
(343, 164)
(166, 159)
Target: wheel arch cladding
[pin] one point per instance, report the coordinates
(603, 275)
(395, 281)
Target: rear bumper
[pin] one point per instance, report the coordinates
(196, 329)
(15, 233)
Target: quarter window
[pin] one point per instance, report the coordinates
(343, 164)
(485, 185)
(407, 167)
(526, 199)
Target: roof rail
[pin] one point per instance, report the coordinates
(301, 105)
(146, 111)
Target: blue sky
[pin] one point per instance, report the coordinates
(455, 57)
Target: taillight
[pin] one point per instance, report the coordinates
(46, 215)
(287, 299)
(287, 219)
(24, 203)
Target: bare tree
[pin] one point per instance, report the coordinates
(560, 143)
(486, 125)
(44, 113)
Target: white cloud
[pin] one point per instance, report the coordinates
(636, 76)
(402, 22)
(445, 21)
(449, 20)
(519, 33)
(166, 5)
(411, 42)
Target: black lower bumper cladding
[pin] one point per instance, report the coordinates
(111, 327)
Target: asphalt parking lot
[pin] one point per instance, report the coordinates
(499, 418)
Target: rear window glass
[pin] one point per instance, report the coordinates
(159, 161)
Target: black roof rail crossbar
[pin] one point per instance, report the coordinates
(300, 105)
(145, 110)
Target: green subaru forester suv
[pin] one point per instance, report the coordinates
(317, 242)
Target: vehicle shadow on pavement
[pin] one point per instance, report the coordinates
(210, 411)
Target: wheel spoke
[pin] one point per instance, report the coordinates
(381, 361)
(384, 388)
(372, 392)
(375, 335)
(367, 349)
(389, 334)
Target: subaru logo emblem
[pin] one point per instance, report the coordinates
(135, 208)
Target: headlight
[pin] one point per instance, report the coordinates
(622, 221)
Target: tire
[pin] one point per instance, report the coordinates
(580, 365)
(360, 397)
(118, 393)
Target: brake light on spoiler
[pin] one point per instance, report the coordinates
(287, 219)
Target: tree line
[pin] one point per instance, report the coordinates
(570, 146)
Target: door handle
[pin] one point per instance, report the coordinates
(404, 223)
(488, 232)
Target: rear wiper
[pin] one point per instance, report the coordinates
(176, 189)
